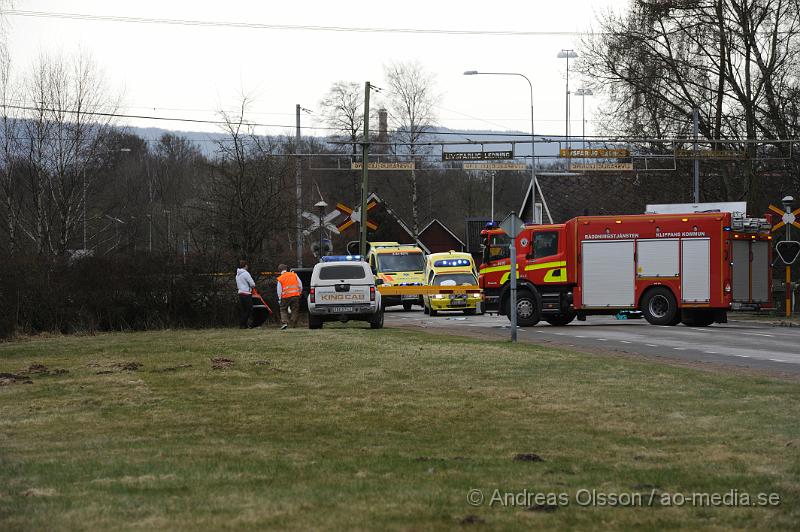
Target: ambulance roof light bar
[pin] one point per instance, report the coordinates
(341, 258)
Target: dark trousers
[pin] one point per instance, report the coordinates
(245, 309)
(292, 303)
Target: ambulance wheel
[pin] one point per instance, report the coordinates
(528, 308)
(407, 305)
(433, 312)
(470, 311)
(377, 321)
(559, 320)
(659, 307)
(314, 322)
(425, 309)
(697, 318)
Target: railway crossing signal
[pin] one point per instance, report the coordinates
(354, 216)
(324, 221)
(787, 217)
(788, 249)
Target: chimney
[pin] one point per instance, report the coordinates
(383, 126)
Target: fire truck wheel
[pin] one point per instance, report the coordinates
(314, 322)
(407, 305)
(528, 309)
(659, 307)
(697, 318)
(561, 319)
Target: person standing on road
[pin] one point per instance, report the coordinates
(244, 284)
(289, 290)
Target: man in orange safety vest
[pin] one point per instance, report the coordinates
(289, 290)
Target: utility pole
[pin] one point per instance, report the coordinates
(696, 120)
(362, 244)
(299, 186)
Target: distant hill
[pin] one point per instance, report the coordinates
(207, 140)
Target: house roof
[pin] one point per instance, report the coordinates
(436, 221)
(400, 222)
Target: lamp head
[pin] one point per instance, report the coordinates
(470, 72)
(787, 202)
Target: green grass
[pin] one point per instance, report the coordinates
(348, 428)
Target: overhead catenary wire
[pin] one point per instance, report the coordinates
(289, 27)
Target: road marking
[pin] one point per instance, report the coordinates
(602, 340)
(679, 348)
(712, 352)
(651, 345)
(579, 336)
(758, 334)
(776, 360)
(624, 342)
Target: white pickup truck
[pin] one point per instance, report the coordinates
(343, 288)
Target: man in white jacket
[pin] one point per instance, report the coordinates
(244, 284)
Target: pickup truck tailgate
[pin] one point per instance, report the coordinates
(345, 296)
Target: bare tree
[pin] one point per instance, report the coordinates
(736, 61)
(9, 154)
(63, 135)
(247, 194)
(412, 100)
(343, 109)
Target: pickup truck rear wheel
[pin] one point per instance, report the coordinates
(659, 307)
(314, 322)
(407, 305)
(377, 320)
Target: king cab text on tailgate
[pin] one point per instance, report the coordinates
(343, 288)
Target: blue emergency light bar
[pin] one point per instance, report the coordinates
(341, 258)
(451, 262)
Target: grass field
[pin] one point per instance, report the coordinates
(350, 428)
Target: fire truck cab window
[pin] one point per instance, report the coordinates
(498, 247)
(545, 244)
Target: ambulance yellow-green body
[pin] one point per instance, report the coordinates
(451, 269)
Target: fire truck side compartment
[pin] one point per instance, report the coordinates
(695, 270)
(657, 258)
(750, 271)
(608, 273)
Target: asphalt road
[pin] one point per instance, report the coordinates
(738, 343)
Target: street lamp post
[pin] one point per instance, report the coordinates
(567, 54)
(299, 188)
(121, 150)
(533, 141)
(583, 93)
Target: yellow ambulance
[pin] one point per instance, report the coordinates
(451, 269)
(398, 265)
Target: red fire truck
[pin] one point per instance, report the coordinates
(689, 268)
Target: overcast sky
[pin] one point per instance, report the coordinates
(190, 71)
